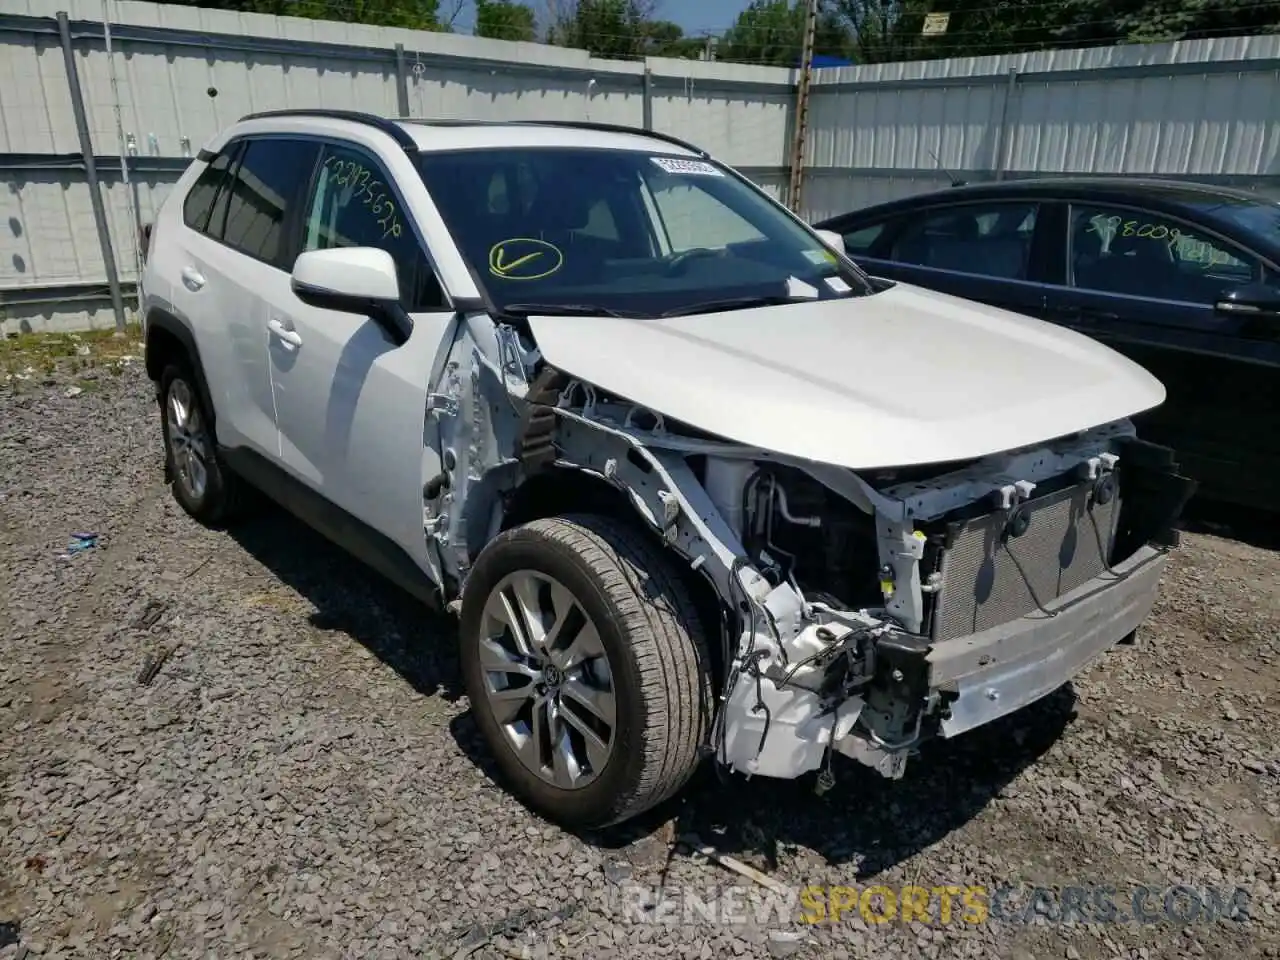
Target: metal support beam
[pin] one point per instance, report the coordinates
(802, 107)
(1000, 160)
(91, 170)
(402, 83)
(648, 97)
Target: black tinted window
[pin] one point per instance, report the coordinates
(268, 179)
(353, 206)
(860, 240)
(988, 239)
(199, 202)
(1149, 255)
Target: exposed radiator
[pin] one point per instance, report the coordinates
(982, 585)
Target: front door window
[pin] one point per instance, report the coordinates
(1150, 255)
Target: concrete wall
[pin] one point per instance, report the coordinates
(1200, 109)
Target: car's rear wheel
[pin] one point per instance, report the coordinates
(587, 668)
(202, 484)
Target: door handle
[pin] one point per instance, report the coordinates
(193, 278)
(277, 327)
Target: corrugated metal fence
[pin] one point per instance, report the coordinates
(1201, 108)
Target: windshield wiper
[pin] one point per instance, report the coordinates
(736, 303)
(564, 310)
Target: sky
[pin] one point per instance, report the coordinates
(696, 16)
(702, 16)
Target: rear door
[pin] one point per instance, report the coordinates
(234, 258)
(1147, 284)
(207, 293)
(984, 250)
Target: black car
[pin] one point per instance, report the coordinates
(1183, 278)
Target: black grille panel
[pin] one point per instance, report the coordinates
(982, 585)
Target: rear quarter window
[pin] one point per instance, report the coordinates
(204, 192)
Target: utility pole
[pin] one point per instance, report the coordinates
(802, 106)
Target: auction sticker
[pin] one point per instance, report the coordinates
(697, 168)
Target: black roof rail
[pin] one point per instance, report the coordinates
(390, 127)
(576, 124)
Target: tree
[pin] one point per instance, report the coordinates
(890, 30)
(772, 32)
(604, 28)
(505, 20)
(662, 38)
(411, 14)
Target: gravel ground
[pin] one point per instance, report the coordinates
(301, 778)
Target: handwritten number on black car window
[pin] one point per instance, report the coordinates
(371, 191)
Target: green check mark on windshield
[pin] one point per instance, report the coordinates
(502, 266)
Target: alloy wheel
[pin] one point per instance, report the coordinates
(547, 679)
(188, 440)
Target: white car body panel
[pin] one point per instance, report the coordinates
(351, 408)
(224, 316)
(905, 377)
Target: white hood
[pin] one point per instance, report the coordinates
(907, 376)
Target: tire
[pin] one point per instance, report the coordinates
(653, 643)
(222, 495)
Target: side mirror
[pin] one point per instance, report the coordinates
(1252, 300)
(832, 240)
(359, 280)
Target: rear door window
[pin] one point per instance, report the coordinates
(984, 239)
(263, 193)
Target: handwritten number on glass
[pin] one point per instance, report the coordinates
(371, 190)
(1183, 245)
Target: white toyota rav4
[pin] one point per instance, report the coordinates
(698, 488)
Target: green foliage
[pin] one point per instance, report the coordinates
(411, 14)
(772, 32)
(891, 29)
(505, 20)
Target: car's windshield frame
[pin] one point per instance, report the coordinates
(783, 235)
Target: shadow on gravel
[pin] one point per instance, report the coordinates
(1255, 528)
(864, 819)
(350, 598)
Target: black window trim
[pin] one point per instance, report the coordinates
(449, 305)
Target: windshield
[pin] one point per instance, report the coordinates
(549, 229)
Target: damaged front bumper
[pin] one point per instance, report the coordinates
(782, 730)
(993, 673)
(991, 634)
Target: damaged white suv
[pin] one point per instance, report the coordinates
(697, 487)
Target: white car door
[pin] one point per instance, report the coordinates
(351, 403)
(223, 254)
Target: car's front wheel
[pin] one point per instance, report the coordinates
(587, 668)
